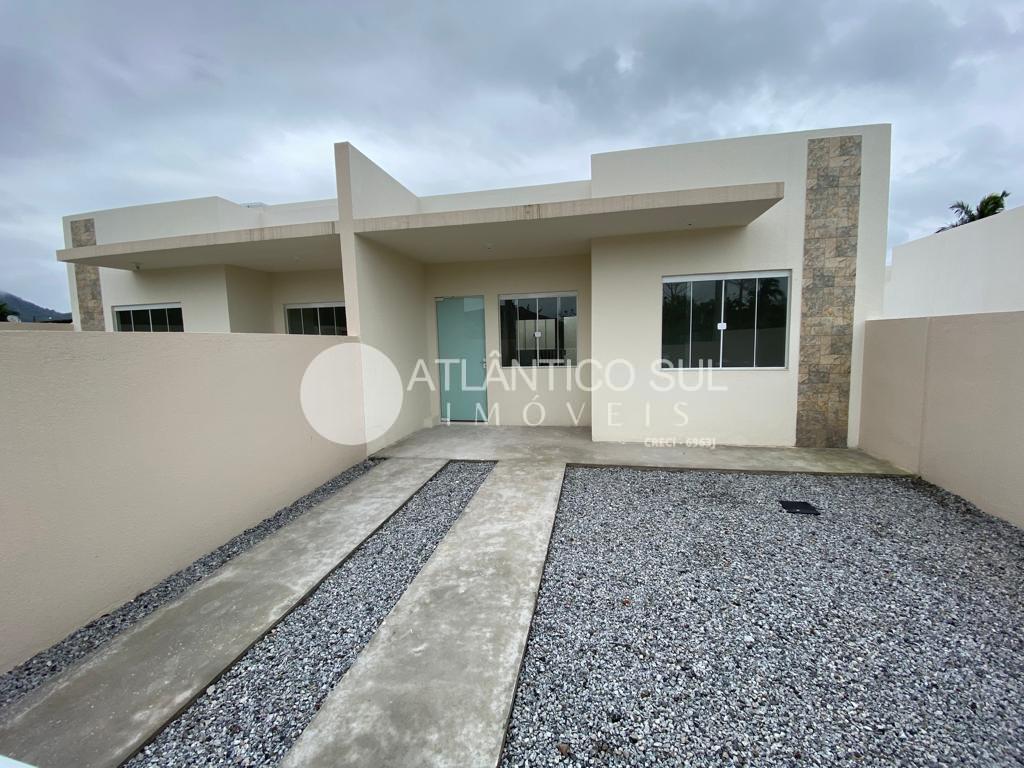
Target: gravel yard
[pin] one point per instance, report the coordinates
(84, 641)
(684, 619)
(258, 708)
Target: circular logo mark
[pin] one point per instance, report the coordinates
(351, 393)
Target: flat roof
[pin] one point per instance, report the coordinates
(286, 248)
(535, 230)
(567, 227)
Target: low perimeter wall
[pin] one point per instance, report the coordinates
(8, 326)
(124, 457)
(964, 270)
(942, 397)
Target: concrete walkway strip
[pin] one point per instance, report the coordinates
(101, 711)
(435, 684)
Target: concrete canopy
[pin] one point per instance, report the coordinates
(565, 228)
(287, 248)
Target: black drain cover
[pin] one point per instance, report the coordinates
(799, 507)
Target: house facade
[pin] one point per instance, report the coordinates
(704, 293)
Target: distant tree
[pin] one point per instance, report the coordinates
(6, 312)
(989, 205)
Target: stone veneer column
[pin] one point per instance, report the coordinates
(829, 285)
(87, 279)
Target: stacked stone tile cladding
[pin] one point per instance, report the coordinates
(829, 287)
(87, 279)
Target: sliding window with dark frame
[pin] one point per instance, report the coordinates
(725, 321)
(316, 319)
(538, 329)
(149, 318)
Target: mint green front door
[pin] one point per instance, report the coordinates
(462, 359)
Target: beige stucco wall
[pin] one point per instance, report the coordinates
(892, 408)
(964, 376)
(201, 291)
(759, 407)
(248, 296)
(755, 408)
(392, 297)
(6, 326)
(196, 216)
(541, 193)
(178, 217)
(492, 279)
(365, 189)
(313, 286)
(130, 455)
(219, 299)
(384, 290)
(975, 268)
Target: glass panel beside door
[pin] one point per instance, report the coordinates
(538, 329)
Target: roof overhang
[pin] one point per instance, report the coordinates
(565, 228)
(271, 249)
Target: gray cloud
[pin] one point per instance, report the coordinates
(117, 103)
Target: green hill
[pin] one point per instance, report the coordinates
(29, 312)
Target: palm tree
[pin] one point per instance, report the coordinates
(989, 205)
(5, 312)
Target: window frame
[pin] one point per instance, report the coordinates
(722, 277)
(313, 305)
(115, 308)
(540, 295)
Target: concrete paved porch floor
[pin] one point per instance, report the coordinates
(572, 445)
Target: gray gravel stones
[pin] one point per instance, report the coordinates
(87, 639)
(258, 708)
(683, 618)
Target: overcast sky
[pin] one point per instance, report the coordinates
(108, 104)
